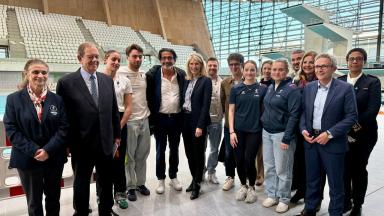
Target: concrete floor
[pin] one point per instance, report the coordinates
(213, 201)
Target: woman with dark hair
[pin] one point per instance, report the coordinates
(363, 135)
(245, 107)
(197, 100)
(36, 124)
(123, 90)
(266, 73)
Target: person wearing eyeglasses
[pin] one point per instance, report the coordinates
(363, 136)
(36, 124)
(329, 112)
(235, 63)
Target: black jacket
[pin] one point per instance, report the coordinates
(200, 102)
(154, 90)
(27, 134)
(368, 98)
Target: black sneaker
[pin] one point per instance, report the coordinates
(132, 195)
(143, 190)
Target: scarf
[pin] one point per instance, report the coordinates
(37, 101)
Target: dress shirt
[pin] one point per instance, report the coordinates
(187, 103)
(87, 79)
(351, 80)
(170, 95)
(318, 107)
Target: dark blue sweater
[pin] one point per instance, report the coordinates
(282, 109)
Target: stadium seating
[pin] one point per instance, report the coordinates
(3, 22)
(53, 37)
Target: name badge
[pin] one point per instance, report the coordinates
(53, 110)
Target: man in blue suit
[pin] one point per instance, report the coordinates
(329, 111)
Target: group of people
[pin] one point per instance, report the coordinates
(288, 131)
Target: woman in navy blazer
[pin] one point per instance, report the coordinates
(36, 124)
(196, 103)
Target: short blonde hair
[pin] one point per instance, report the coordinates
(196, 57)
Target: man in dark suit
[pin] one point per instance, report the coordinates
(90, 100)
(329, 111)
(165, 84)
(363, 136)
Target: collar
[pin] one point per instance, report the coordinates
(85, 74)
(353, 80)
(326, 87)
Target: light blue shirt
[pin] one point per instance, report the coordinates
(87, 79)
(187, 101)
(318, 106)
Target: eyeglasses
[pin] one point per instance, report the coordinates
(322, 67)
(358, 59)
(37, 72)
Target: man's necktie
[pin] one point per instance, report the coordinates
(93, 89)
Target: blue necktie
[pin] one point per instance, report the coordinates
(93, 89)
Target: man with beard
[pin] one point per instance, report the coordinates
(296, 57)
(216, 113)
(138, 127)
(164, 93)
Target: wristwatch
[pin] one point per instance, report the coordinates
(329, 135)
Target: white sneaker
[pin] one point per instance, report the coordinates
(212, 178)
(282, 207)
(242, 193)
(269, 202)
(175, 184)
(251, 195)
(228, 184)
(160, 187)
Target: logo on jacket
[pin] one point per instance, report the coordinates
(53, 110)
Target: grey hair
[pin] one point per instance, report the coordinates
(331, 58)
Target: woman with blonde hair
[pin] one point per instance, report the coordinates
(196, 103)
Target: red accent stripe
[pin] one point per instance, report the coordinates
(62, 183)
(7, 142)
(16, 191)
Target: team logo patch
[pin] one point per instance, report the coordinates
(53, 110)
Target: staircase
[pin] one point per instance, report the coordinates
(88, 36)
(149, 49)
(15, 40)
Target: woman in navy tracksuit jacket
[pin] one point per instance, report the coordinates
(282, 107)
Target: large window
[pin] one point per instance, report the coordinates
(256, 27)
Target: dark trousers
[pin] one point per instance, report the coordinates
(83, 166)
(118, 164)
(230, 163)
(45, 179)
(317, 160)
(356, 174)
(299, 174)
(194, 148)
(167, 127)
(245, 154)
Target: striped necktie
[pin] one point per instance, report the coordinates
(93, 89)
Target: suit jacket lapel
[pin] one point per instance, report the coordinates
(30, 105)
(330, 95)
(83, 89)
(357, 86)
(197, 84)
(312, 97)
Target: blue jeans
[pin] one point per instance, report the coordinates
(278, 165)
(214, 131)
(230, 163)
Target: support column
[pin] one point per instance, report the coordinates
(45, 7)
(157, 6)
(107, 13)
